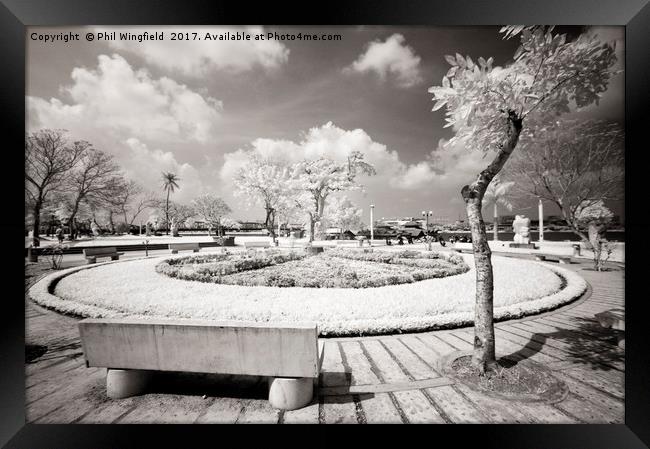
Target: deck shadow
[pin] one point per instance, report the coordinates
(588, 344)
(212, 385)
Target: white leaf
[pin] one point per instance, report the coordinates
(451, 60)
(460, 60)
(439, 104)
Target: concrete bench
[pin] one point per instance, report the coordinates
(260, 244)
(91, 254)
(131, 349)
(176, 247)
(559, 258)
(614, 319)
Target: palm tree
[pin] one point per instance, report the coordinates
(170, 182)
(495, 194)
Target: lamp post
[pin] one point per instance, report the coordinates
(372, 224)
(540, 211)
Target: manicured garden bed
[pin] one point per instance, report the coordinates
(332, 269)
(134, 288)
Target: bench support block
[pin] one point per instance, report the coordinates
(123, 383)
(90, 260)
(287, 393)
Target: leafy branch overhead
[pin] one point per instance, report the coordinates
(547, 75)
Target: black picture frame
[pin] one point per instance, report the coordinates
(15, 15)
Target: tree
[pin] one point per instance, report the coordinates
(96, 177)
(597, 218)
(49, 157)
(291, 208)
(343, 214)
(212, 210)
(170, 182)
(263, 181)
(495, 195)
(487, 107)
(322, 176)
(178, 214)
(130, 200)
(572, 164)
(230, 223)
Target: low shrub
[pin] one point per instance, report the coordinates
(210, 267)
(275, 268)
(407, 257)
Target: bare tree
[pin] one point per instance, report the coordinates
(212, 210)
(96, 177)
(48, 158)
(573, 164)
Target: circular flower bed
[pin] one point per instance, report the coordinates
(134, 288)
(333, 269)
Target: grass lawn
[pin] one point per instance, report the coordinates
(134, 288)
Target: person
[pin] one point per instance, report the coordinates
(59, 235)
(388, 242)
(441, 240)
(409, 239)
(452, 239)
(400, 240)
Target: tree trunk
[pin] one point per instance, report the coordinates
(484, 357)
(36, 242)
(71, 223)
(167, 213)
(320, 209)
(312, 222)
(496, 223)
(484, 348)
(111, 224)
(595, 234)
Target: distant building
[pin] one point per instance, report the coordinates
(506, 220)
(555, 220)
(252, 225)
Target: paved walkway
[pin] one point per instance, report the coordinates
(392, 379)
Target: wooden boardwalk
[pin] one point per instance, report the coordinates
(386, 379)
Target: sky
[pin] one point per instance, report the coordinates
(195, 107)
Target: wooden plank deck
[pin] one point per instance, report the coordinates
(392, 379)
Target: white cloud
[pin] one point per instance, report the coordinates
(327, 140)
(415, 176)
(331, 141)
(198, 58)
(116, 97)
(393, 57)
(145, 165)
(398, 186)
